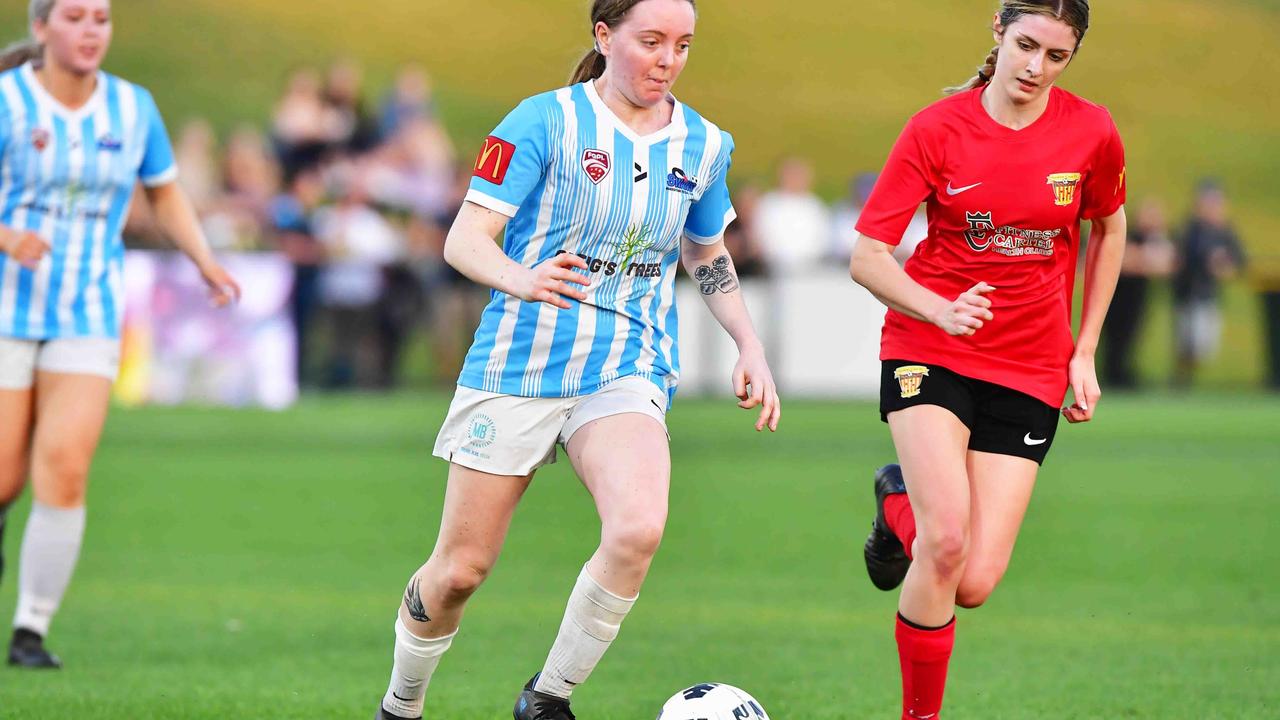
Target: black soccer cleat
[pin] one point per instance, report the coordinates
(887, 561)
(27, 650)
(384, 714)
(534, 705)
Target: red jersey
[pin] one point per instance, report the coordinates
(1004, 206)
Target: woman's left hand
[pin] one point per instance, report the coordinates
(753, 385)
(223, 289)
(1084, 385)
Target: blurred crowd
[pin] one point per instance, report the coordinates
(359, 195)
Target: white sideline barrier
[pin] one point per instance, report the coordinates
(821, 332)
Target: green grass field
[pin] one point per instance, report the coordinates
(246, 565)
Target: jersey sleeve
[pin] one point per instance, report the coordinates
(901, 187)
(711, 214)
(1104, 189)
(511, 161)
(158, 167)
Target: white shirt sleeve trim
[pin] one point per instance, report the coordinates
(163, 178)
(729, 216)
(492, 203)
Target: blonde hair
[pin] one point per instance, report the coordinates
(611, 13)
(28, 50)
(1074, 13)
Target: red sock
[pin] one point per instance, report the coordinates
(923, 654)
(897, 512)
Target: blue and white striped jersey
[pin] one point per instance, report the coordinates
(573, 178)
(68, 176)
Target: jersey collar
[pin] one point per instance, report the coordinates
(39, 90)
(602, 110)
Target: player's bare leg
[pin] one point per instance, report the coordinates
(71, 410)
(932, 444)
(625, 463)
(477, 514)
(1000, 490)
(16, 416)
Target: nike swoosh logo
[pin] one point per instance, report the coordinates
(1027, 439)
(957, 191)
(394, 695)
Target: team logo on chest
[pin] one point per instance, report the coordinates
(1064, 187)
(595, 163)
(39, 139)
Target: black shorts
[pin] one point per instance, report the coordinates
(1000, 420)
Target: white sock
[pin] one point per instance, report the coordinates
(591, 622)
(415, 660)
(50, 547)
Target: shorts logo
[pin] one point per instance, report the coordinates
(909, 378)
(39, 139)
(595, 163)
(494, 159)
(1064, 187)
(481, 431)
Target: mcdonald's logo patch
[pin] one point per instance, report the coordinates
(494, 159)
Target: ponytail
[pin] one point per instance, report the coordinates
(20, 53)
(985, 72)
(25, 51)
(589, 68)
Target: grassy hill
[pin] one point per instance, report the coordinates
(1191, 83)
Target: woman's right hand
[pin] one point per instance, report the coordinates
(24, 246)
(550, 281)
(967, 313)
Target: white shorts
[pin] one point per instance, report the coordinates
(20, 359)
(513, 435)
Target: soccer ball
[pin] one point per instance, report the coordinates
(712, 701)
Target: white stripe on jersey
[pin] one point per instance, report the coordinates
(550, 194)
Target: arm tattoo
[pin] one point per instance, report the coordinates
(718, 276)
(413, 602)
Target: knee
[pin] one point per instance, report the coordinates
(462, 575)
(636, 537)
(66, 471)
(975, 588)
(945, 548)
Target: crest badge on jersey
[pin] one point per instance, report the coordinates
(595, 163)
(1064, 187)
(909, 378)
(494, 159)
(39, 139)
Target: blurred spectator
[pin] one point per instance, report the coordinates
(238, 218)
(844, 216)
(794, 223)
(360, 245)
(413, 171)
(1148, 254)
(344, 94)
(291, 220)
(195, 154)
(1210, 252)
(303, 127)
(409, 99)
(741, 238)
